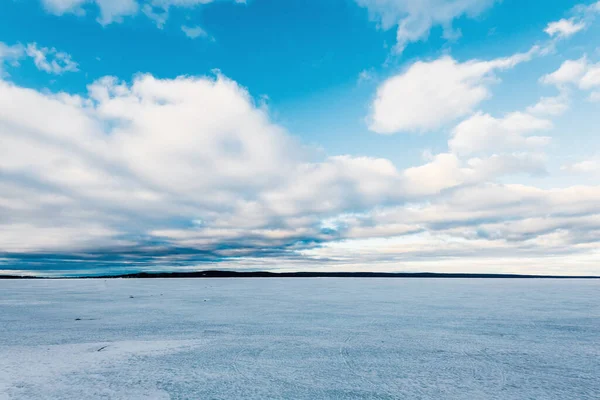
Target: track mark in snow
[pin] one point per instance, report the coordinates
(235, 363)
(354, 370)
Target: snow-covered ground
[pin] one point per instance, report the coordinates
(300, 339)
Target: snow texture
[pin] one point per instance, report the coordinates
(326, 338)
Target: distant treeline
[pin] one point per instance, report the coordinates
(264, 274)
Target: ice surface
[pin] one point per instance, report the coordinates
(325, 338)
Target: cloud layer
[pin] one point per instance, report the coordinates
(190, 170)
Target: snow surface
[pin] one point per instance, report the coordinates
(326, 338)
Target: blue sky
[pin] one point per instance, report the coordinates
(384, 135)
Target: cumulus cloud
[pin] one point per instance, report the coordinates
(550, 106)
(564, 27)
(482, 132)
(415, 18)
(579, 73)
(430, 94)
(591, 79)
(155, 150)
(450, 171)
(188, 171)
(570, 72)
(50, 60)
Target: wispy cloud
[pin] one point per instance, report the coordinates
(51, 60)
(10, 55)
(194, 32)
(564, 27)
(45, 59)
(415, 18)
(111, 11)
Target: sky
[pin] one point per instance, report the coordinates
(299, 135)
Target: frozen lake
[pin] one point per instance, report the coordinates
(323, 338)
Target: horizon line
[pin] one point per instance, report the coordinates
(207, 274)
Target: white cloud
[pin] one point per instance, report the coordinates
(550, 106)
(60, 7)
(564, 27)
(442, 172)
(113, 11)
(158, 15)
(147, 160)
(570, 71)
(587, 11)
(583, 16)
(591, 78)
(501, 228)
(578, 73)
(583, 167)
(110, 10)
(430, 94)
(448, 171)
(194, 32)
(50, 60)
(482, 132)
(191, 147)
(45, 59)
(10, 55)
(415, 18)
